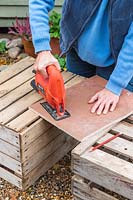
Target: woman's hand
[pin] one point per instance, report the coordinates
(44, 59)
(104, 101)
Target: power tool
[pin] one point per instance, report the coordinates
(52, 89)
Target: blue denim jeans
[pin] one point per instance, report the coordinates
(82, 68)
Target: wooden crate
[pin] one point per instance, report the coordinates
(106, 173)
(29, 146)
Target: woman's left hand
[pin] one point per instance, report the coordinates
(104, 101)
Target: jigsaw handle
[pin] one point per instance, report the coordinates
(56, 87)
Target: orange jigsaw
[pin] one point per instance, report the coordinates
(53, 91)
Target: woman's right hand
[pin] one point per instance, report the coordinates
(44, 59)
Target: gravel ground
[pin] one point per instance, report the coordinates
(54, 185)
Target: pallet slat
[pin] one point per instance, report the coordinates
(44, 153)
(22, 120)
(10, 136)
(10, 150)
(16, 81)
(11, 163)
(115, 175)
(130, 119)
(49, 162)
(124, 128)
(40, 142)
(18, 107)
(33, 132)
(118, 145)
(12, 178)
(84, 191)
(14, 95)
(15, 69)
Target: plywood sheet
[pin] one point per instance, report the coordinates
(82, 122)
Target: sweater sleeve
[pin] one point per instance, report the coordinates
(39, 22)
(123, 71)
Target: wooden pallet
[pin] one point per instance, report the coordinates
(28, 145)
(106, 173)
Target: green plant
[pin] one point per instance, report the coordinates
(2, 47)
(21, 28)
(54, 21)
(62, 61)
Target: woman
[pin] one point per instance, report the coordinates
(97, 38)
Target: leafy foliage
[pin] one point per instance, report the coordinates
(54, 21)
(62, 61)
(2, 47)
(21, 28)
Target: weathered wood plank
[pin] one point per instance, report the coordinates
(10, 150)
(11, 163)
(22, 121)
(124, 128)
(12, 178)
(39, 143)
(18, 107)
(44, 153)
(91, 139)
(27, 117)
(33, 132)
(15, 69)
(14, 95)
(118, 145)
(49, 162)
(117, 174)
(130, 119)
(16, 81)
(85, 192)
(82, 120)
(9, 136)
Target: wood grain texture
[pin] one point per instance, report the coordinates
(16, 69)
(18, 107)
(105, 170)
(83, 122)
(22, 121)
(9, 136)
(45, 152)
(33, 132)
(118, 145)
(130, 119)
(84, 191)
(49, 162)
(10, 150)
(14, 95)
(16, 81)
(40, 143)
(12, 178)
(11, 163)
(125, 128)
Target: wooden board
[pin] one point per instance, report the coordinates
(12, 178)
(69, 144)
(106, 170)
(85, 190)
(16, 69)
(82, 123)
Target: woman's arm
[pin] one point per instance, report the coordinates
(39, 21)
(123, 71)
